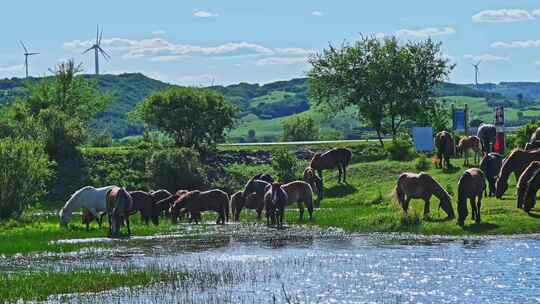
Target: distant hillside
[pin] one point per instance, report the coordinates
(263, 107)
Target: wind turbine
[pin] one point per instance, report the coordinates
(97, 49)
(476, 68)
(26, 55)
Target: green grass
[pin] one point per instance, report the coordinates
(37, 233)
(38, 285)
(273, 97)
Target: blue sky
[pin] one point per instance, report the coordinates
(200, 42)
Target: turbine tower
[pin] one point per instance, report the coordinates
(26, 55)
(98, 50)
(476, 68)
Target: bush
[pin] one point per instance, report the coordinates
(102, 140)
(285, 165)
(25, 172)
(300, 129)
(401, 150)
(176, 169)
(523, 135)
(422, 163)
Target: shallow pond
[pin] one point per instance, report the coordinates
(306, 265)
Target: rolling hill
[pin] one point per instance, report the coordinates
(264, 107)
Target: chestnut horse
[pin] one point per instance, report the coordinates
(422, 186)
(515, 163)
(252, 201)
(469, 143)
(335, 158)
(491, 164)
(300, 193)
(471, 186)
(167, 202)
(196, 202)
(275, 201)
(145, 203)
(445, 148)
(487, 134)
(523, 182)
(119, 205)
(315, 182)
(87, 218)
(530, 194)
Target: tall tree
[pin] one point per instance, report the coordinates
(386, 81)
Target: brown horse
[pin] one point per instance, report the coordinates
(275, 201)
(445, 148)
(300, 193)
(145, 203)
(166, 203)
(471, 186)
(530, 194)
(422, 186)
(315, 182)
(240, 201)
(119, 205)
(515, 163)
(335, 158)
(469, 143)
(196, 202)
(523, 182)
(491, 164)
(88, 217)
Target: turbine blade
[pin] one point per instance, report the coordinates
(105, 54)
(100, 36)
(97, 34)
(89, 49)
(30, 54)
(24, 46)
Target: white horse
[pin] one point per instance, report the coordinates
(92, 199)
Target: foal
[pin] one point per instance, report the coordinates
(471, 186)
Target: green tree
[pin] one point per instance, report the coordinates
(300, 128)
(435, 114)
(523, 135)
(25, 172)
(387, 82)
(193, 117)
(175, 169)
(285, 164)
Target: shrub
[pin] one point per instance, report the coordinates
(25, 172)
(300, 129)
(103, 139)
(523, 135)
(175, 169)
(401, 150)
(422, 163)
(285, 165)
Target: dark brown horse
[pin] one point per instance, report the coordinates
(275, 201)
(515, 163)
(422, 186)
(530, 194)
(445, 148)
(145, 203)
(336, 158)
(88, 217)
(491, 165)
(252, 201)
(523, 182)
(119, 205)
(315, 182)
(196, 202)
(165, 203)
(471, 186)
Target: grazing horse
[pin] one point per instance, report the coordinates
(445, 148)
(275, 200)
(88, 217)
(93, 200)
(523, 182)
(471, 186)
(469, 143)
(264, 177)
(335, 158)
(119, 206)
(167, 202)
(515, 163)
(487, 134)
(252, 201)
(422, 186)
(300, 193)
(255, 186)
(491, 164)
(530, 194)
(196, 202)
(315, 182)
(145, 203)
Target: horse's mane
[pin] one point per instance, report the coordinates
(507, 161)
(439, 191)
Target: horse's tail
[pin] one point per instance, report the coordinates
(398, 192)
(227, 207)
(348, 156)
(232, 205)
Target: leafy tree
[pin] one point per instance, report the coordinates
(25, 172)
(251, 134)
(175, 169)
(193, 117)
(476, 122)
(285, 164)
(300, 128)
(387, 82)
(436, 115)
(523, 135)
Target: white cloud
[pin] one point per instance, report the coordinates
(425, 32)
(317, 13)
(158, 32)
(160, 49)
(537, 62)
(502, 15)
(12, 68)
(204, 14)
(486, 57)
(526, 44)
(282, 61)
(167, 58)
(536, 13)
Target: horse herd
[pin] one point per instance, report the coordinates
(261, 193)
(493, 168)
